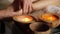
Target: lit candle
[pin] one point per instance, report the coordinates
(48, 17)
(23, 18)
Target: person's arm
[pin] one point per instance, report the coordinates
(41, 4)
(9, 13)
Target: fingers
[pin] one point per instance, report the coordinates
(27, 6)
(15, 13)
(34, 0)
(30, 6)
(19, 12)
(30, 9)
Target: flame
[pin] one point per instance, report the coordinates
(49, 17)
(27, 19)
(23, 18)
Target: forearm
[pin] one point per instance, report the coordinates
(41, 4)
(4, 13)
(9, 13)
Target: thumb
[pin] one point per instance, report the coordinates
(19, 12)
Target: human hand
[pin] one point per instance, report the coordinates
(27, 6)
(9, 12)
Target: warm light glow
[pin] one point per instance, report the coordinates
(48, 17)
(23, 18)
(26, 19)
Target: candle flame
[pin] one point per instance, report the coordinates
(23, 18)
(49, 17)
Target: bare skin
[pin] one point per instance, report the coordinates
(42, 4)
(36, 6)
(9, 12)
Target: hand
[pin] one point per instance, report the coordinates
(9, 12)
(27, 6)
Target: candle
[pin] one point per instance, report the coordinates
(48, 17)
(23, 19)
